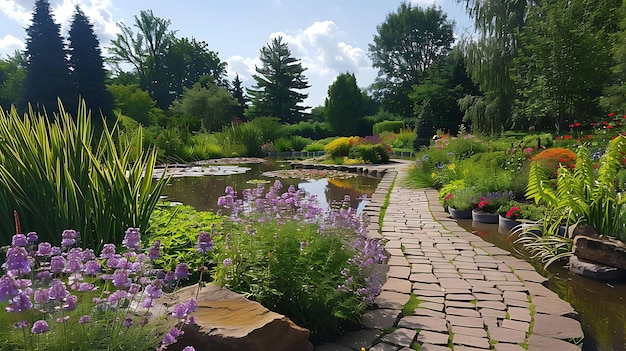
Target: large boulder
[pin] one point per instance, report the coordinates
(227, 321)
(607, 251)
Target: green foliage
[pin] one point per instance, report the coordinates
(59, 176)
(269, 127)
(314, 147)
(12, 74)
(582, 195)
(463, 199)
(47, 73)
(543, 140)
(213, 105)
(133, 102)
(177, 228)
(464, 147)
(279, 80)
(344, 105)
(405, 45)
(242, 140)
(388, 126)
(369, 153)
(313, 130)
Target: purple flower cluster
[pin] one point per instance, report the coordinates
(50, 279)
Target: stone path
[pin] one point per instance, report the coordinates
(472, 295)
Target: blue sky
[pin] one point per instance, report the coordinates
(329, 37)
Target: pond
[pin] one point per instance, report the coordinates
(600, 304)
(202, 192)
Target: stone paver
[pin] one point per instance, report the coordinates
(466, 286)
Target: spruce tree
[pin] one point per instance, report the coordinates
(47, 73)
(278, 82)
(238, 94)
(87, 66)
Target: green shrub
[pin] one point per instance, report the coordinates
(387, 126)
(313, 130)
(369, 153)
(269, 128)
(546, 140)
(299, 143)
(243, 139)
(283, 144)
(315, 147)
(59, 175)
(464, 148)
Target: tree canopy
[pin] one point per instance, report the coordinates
(405, 46)
(279, 81)
(344, 105)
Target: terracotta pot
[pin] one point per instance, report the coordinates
(460, 214)
(507, 223)
(484, 217)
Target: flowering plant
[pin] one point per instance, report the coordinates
(513, 212)
(491, 202)
(285, 251)
(54, 291)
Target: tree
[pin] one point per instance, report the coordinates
(405, 46)
(344, 105)
(213, 104)
(145, 51)
(186, 61)
(614, 97)
(242, 100)
(12, 75)
(47, 74)
(278, 82)
(87, 67)
(133, 102)
(447, 82)
(489, 59)
(562, 66)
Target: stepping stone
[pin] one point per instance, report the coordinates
(459, 304)
(487, 312)
(496, 305)
(423, 278)
(424, 323)
(358, 339)
(506, 347)
(398, 285)
(466, 312)
(478, 332)
(400, 337)
(452, 283)
(517, 325)
(515, 295)
(557, 327)
(553, 305)
(507, 335)
(537, 342)
(488, 297)
(461, 321)
(380, 318)
(429, 313)
(399, 272)
(433, 337)
(468, 340)
(519, 314)
(391, 299)
(432, 347)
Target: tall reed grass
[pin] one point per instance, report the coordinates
(59, 175)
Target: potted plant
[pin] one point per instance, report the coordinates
(508, 215)
(461, 203)
(486, 210)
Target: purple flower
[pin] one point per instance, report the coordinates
(182, 271)
(40, 326)
(108, 251)
(32, 237)
(19, 240)
(84, 287)
(57, 264)
(171, 335)
(58, 291)
(155, 250)
(116, 296)
(68, 238)
(84, 319)
(132, 239)
(21, 324)
(183, 309)
(205, 242)
(189, 348)
(92, 267)
(127, 322)
(228, 262)
(42, 296)
(147, 302)
(153, 290)
(19, 303)
(17, 260)
(120, 278)
(44, 249)
(8, 287)
(70, 303)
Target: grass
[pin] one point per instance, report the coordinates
(411, 305)
(383, 209)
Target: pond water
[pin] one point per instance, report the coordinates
(600, 304)
(202, 192)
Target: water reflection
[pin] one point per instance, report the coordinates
(601, 305)
(202, 192)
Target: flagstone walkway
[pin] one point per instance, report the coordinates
(472, 295)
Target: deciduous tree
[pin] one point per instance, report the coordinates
(212, 104)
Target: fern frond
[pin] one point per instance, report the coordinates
(539, 188)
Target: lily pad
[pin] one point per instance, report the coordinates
(310, 174)
(199, 171)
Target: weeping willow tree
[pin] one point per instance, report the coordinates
(489, 59)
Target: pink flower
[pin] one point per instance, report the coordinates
(448, 197)
(483, 202)
(513, 212)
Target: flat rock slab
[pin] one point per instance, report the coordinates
(537, 342)
(433, 337)
(507, 335)
(595, 270)
(401, 337)
(424, 323)
(557, 327)
(380, 318)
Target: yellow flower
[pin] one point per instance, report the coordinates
(451, 166)
(433, 175)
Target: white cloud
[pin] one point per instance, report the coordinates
(98, 12)
(10, 43)
(16, 11)
(321, 51)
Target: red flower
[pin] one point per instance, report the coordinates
(611, 114)
(568, 137)
(590, 136)
(624, 116)
(483, 202)
(609, 127)
(448, 197)
(594, 124)
(558, 137)
(577, 125)
(605, 122)
(513, 212)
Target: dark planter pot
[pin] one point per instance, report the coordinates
(460, 214)
(507, 223)
(485, 217)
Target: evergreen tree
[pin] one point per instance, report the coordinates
(47, 73)
(279, 79)
(238, 94)
(87, 67)
(344, 105)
